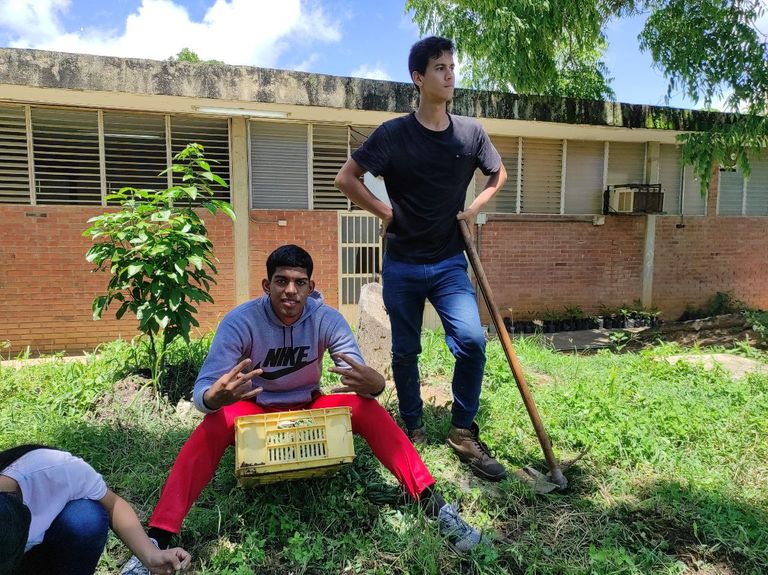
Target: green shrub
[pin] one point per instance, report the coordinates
(157, 252)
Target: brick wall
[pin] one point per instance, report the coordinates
(46, 286)
(707, 255)
(532, 263)
(539, 263)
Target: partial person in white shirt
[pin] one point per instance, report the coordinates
(66, 509)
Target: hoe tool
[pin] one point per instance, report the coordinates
(554, 479)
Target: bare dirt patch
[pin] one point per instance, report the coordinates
(727, 331)
(133, 390)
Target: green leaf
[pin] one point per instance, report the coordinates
(175, 299)
(98, 306)
(227, 209)
(162, 216)
(219, 180)
(133, 269)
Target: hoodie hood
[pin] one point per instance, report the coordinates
(313, 303)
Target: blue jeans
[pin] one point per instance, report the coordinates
(73, 543)
(446, 285)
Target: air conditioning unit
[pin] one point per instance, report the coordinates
(621, 201)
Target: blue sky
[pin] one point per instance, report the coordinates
(365, 38)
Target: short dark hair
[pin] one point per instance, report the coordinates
(289, 256)
(425, 50)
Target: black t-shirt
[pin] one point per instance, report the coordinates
(426, 174)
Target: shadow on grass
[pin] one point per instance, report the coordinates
(307, 526)
(666, 528)
(355, 517)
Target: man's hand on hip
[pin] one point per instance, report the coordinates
(358, 378)
(232, 386)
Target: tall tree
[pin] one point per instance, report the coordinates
(706, 49)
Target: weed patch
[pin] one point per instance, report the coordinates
(675, 482)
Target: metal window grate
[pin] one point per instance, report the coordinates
(541, 176)
(330, 145)
(626, 162)
(584, 177)
(505, 200)
(279, 165)
(66, 152)
(14, 159)
(134, 151)
(213, 135)
(757, 186)
(670, 177)
(730, 197)
(693, 202)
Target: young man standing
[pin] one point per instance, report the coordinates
(267, 356)
(427, 160)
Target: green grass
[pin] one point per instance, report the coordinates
(676, 480)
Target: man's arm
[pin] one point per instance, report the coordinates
(494, 184)
(348, 183)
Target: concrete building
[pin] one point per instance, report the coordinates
(74, 127)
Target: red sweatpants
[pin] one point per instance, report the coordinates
(199, 457)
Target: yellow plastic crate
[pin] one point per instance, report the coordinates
(288, 445)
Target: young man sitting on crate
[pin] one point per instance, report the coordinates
(267, 356)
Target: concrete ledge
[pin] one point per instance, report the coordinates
(43, 69)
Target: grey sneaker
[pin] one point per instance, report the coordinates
(462, 537)
(417, 436)
(136, 567)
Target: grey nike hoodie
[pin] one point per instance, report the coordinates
(290, 355)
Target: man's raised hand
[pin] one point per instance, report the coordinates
(357, 378)
(232, 386)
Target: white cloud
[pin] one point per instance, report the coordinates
(306, 64)
(370, 72)
(34, 20)
(253, 32)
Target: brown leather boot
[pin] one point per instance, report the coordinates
(470, 450)
(417, 436)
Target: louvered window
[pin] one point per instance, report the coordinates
(14, 161)
(213, 135)
(757, 186)
(584, 177)
(693, 202)
(279, 166)
(670, 177)
(330, 146)
(730, 198)
(626, 163)
(505, 200)
(541, 174)
(134, 151)
(358, 135)
(66, 153)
